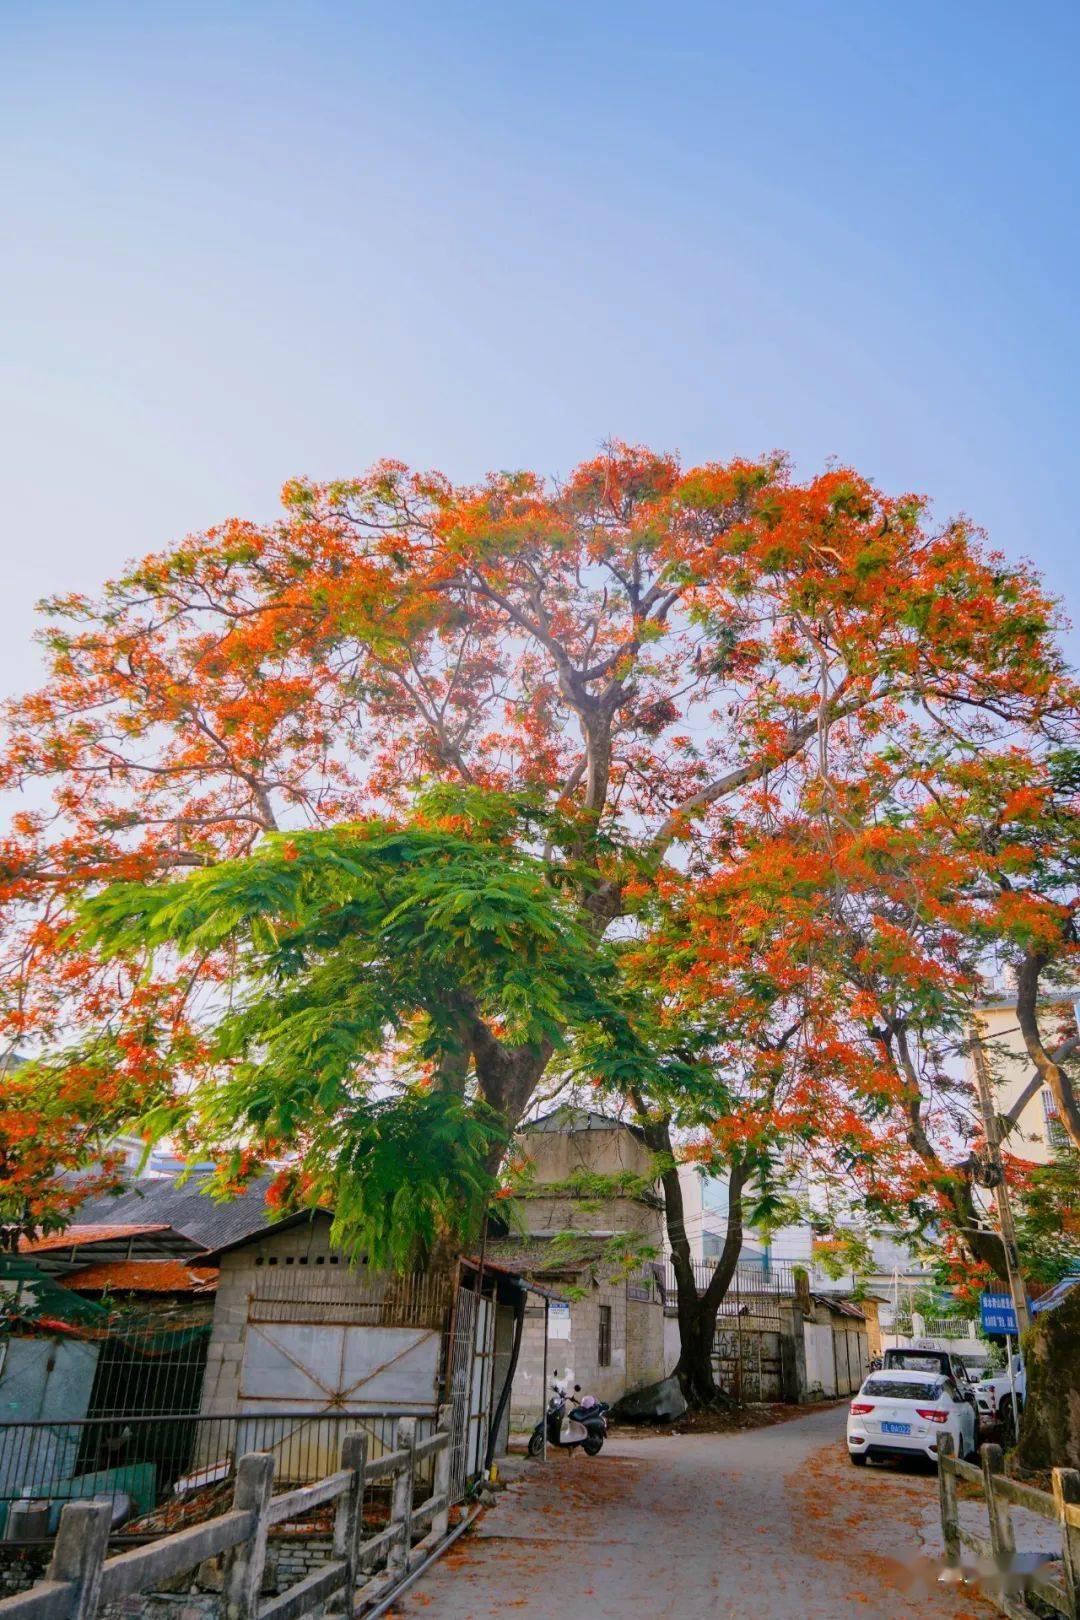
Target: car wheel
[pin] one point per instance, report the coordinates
(858, 1458)
(1008, 1421)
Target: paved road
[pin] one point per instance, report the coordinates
(771, 1523)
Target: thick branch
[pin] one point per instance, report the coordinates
(1036, 1083)
(1050, 1072)
(797, 739)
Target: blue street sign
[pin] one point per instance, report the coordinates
(998, 1313)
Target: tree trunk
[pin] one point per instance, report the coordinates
(696, 1311)
(954, 1183)
(1053, 1076)
(695, 1367)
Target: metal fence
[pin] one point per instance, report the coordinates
(776, 1278)
(160, 1471)
(358, 1564)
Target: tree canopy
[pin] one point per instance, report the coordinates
(364, 821)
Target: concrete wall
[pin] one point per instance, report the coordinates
(836, 1358)
(637, 1324)
(599, 1150)
(236, 1282)
(637, 1349)
(546, 1213)
(285, 1364)
(559, 1156)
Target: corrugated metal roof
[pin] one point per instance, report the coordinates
(188, 1209)
(842, 1307)
(1055, 1295)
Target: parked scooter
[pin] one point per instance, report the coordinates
(578, 1422)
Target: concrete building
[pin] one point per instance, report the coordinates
(598, 1244)
(1038, 1132)
(306, 1340)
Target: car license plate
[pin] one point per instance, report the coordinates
(896, 1428)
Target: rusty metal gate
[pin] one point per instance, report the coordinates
(750, 1351)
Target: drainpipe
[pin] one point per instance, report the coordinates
(497, 1416)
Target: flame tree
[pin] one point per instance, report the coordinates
(354, 817)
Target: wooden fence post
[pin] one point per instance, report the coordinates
(947, 1498)
(440, 1519)
(348, 1520)
(245, 1563)
(1067, 1494)
(998, 1510)
(79, 1552)
(401, 1501)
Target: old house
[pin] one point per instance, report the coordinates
(593, 1229)
(215, 1331)
(306, 1342)
(832, 1346)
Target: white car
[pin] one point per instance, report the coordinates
(995, 1397)
(901, 1413)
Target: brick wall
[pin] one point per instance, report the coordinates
(20, 1567)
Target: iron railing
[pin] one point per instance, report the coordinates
(775, 1279)
(161, 1472)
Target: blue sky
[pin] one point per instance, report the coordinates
(247, 241)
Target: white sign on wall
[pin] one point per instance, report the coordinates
(558, 1320)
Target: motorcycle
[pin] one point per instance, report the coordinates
(583, 1423)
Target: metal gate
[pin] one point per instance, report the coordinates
(472, 1363)
(749, 1349)
(348, 1343)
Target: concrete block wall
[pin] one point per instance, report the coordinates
(546, 1212)
(306, 1246)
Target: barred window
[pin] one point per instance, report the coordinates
(1056, 1134)
(603, 1350)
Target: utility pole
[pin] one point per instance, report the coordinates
(997, 1181)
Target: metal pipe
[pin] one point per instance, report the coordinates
(1001, 1191)
(385, 1604)
(543, 1392)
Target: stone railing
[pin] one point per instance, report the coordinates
(363, 1567)
(1007, 1578)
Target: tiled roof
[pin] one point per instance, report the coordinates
(83, 1233)
(144, 1277)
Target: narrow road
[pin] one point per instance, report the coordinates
(773, 1523)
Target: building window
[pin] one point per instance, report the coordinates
(603, 1349)
(1056, 1134)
